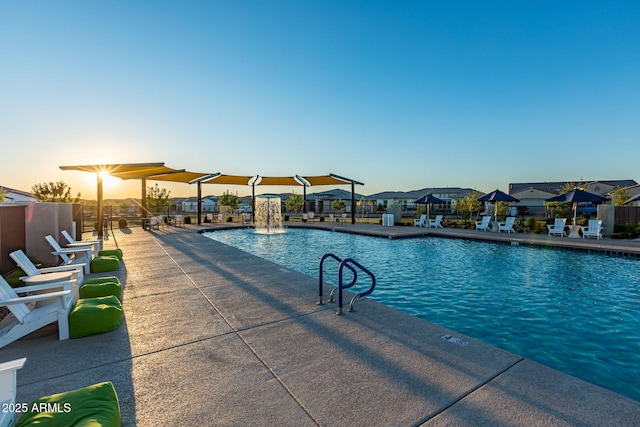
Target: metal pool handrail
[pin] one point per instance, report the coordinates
(345, 263)
(320, 274)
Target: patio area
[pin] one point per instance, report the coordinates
(215, 336)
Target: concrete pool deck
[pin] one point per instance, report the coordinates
(215, 336)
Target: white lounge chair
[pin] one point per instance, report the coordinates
(507, 225)
(23, 261)
(71, 242)
(484, 223)
(246, 218)
(178, 221)
(557, 229)
(343, 218)
(594, 229)
(154, 223)
(435, 223)
(28, 320)
(331, 218)
(85, 258)
(8, 389)
(310, 215)
(420, 222)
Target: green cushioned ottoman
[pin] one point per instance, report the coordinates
(92, 316)
(101, 287)
(102, 280)
(115, 252)
(96, 405)
(101, 264)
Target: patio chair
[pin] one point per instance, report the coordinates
(331, 218)
(178, 221)
(154, 223)
(30, 269)
(28, 320)
(85, 258)
(311, 215)
(209, 218)
(557, 229)
(246, 218)
(71, 242)
(8, 389)
(420, 222)
(507, 225)
(343, 218)
(435, 223)
(594, 229)
(484, 223)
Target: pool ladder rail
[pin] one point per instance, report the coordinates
(348, 263)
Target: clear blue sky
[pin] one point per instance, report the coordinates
(398, 95)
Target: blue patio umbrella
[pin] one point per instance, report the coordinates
(497, 196)
(576, 196)
(428, 199)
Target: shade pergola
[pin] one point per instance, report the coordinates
(173, 176)
(122, 171)
(296, 180)
(159, 172)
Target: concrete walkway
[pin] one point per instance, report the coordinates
(214, 336)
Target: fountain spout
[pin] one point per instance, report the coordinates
(268, 216)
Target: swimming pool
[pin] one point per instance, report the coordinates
(575, 312)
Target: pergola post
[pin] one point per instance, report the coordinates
(304, 199)
(353, 202)
(199, 202)
(100, 220)
(144, 201)
(253, 201)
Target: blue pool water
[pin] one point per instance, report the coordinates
(575, 312)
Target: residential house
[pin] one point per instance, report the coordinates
(320, 202)
(533, 195)
(11, 195)
(406, 198)
(190, 204)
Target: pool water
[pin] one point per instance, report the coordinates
(575, 312)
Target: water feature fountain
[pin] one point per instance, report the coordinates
(267, 216)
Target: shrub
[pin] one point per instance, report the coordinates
(530, 223)
(122, 223)
(187, 220)
(230, 219)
